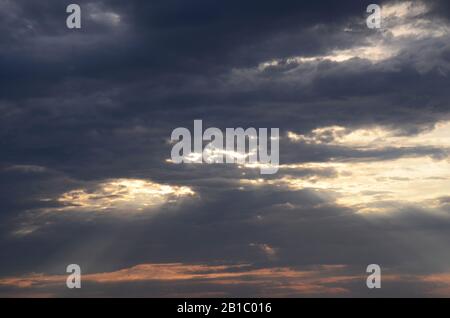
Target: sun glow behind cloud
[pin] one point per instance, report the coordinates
(382, 186)
(402, 24)
(330, 280)
(279, 281)
(132, 195)
(375, 184)
(373, 138)
(117, 198)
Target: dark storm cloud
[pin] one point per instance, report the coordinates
(190, 73)
(161, 36)
(441, 8)
(80, 107)
(298, 231)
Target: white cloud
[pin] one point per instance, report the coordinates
(375, 185)
(372, 138)
(131, 195)
(403, 24)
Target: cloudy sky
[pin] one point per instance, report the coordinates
(86, 118)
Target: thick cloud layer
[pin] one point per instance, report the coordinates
(86, 119)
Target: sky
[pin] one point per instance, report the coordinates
(86, 117)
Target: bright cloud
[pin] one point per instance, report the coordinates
(403, 23)
(373, 138)
(375, 185)
(133, 195)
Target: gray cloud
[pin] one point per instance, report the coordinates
(81, 107)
